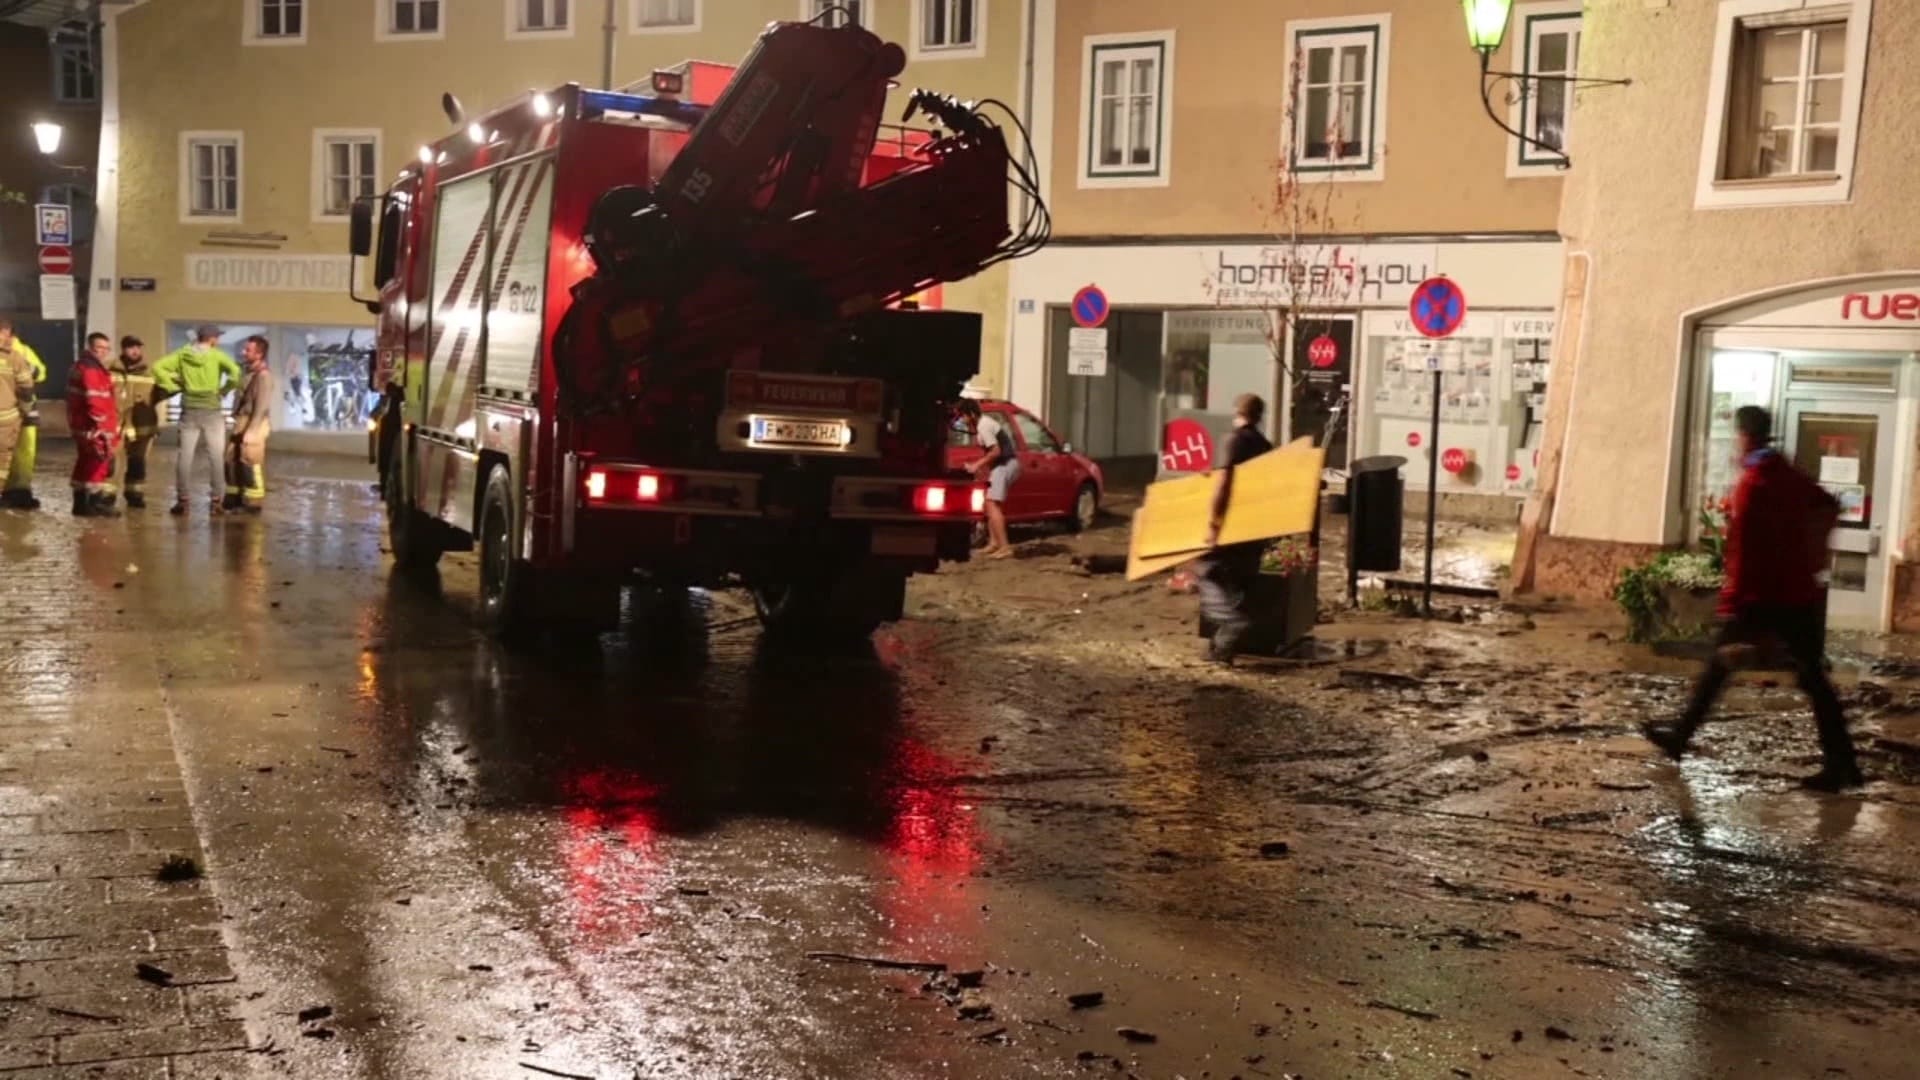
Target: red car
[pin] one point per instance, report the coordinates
(1055, 483)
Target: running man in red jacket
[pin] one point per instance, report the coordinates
(1776, 548)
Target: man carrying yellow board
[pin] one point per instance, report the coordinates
(1227, 573)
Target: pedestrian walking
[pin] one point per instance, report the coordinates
(139, 417)
(202, 375)
(95, 424)
(16, 399)
(1776, 545)
(1226, 575)
(247, 446)
(1000, 465)
(18, 487)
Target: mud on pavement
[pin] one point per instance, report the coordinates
(1027, 834)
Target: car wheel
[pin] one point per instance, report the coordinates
(1086, 509)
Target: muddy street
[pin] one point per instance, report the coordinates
(1024, 835)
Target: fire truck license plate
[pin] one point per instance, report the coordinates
(774, 431)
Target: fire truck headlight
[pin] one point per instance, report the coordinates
(542, 106)
(476, 133)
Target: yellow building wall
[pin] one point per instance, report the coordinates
(184, 66)
(1630, 205)
(1445, 168)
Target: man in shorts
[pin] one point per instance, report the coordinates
(1000, 466)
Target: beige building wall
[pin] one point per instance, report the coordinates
(1630, 207)
(1444, 161)
(186, 65)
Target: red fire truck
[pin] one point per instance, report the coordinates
(660, 337)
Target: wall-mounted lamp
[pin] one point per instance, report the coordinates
(1486, 29)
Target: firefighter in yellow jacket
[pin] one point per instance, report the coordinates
(133, 388)
(18, 492)
(16, 397)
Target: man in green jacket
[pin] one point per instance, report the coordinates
(18, 491)
(202, 375)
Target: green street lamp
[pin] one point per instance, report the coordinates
(1486, 29)
(1486, 23)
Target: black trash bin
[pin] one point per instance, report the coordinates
(1377, 496)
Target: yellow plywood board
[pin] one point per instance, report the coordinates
(1274, 495)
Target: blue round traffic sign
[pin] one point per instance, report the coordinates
(1090, 307)
(1438, 307)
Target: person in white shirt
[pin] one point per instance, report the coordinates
(1000, 465)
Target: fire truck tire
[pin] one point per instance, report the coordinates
(410, 533)
(502, 577)
(827, 611)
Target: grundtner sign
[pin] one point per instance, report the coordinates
(270, 273)
(1279, 275)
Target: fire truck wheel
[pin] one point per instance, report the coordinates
(409, 532)
(501, 590)
(826, 611)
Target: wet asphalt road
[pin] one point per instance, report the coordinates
(640, 861)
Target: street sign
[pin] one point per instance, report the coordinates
(56, 260)
(1090, 307)
(1087, 351)
(52, 225)
(1454, 460)
(1026, 307)
(1188, 447)
(138, 284)
(1513, 473)
(1437, 307)
(1323, 352)
(58, 299)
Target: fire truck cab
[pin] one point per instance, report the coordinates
(592, 400)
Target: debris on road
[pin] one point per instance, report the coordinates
(315, 1012)
(876, 961)
(1088, 1000)
(1417, 1014)
(177, 868)
(1274, 849)
(1136, 1035)
(154, 974)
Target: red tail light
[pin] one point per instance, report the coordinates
(597, 485)
(930, 499)
(979, 500)
(648, 487)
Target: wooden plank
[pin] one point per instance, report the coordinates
(1275, 494)
(1536, 515)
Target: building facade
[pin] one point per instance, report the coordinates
(47, 76)
(1739, 231)
(231, 188)
(1257, 189)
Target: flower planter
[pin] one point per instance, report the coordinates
(1284, 609)
(1685, 624)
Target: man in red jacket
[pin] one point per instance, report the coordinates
(94, 419)
(1776, 548)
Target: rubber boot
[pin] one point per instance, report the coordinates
(82, 506)
(136, 501)
(103, 505)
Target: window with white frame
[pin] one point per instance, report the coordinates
(406, 17)
(212, 175)
(541, 16)
(949, 24)
(1127, 110)
(1336, 103)
(73, 72)
(1552, 50)
(1784, 103)
(843, 12)
(1783, 109)
(280, 20)
(666, 14)
(348, 163)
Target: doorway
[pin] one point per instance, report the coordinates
(1319, 387)
(1111, 418)
(1847, 446)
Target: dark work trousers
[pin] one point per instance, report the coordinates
(1226, 579)
(1797, 628)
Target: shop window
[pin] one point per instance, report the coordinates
(1337, 108)
(666, 15)
(277, 22)
(1550, 44)
(347, 163)
(413, 19)
(210, 176)
(539, 16)
(1211, 358)
(1736, 378)
(1785, 105)
(1125, 121)
(948, 28)
(838, 12)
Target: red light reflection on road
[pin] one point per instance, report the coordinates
(932, 847)
(610, 827)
